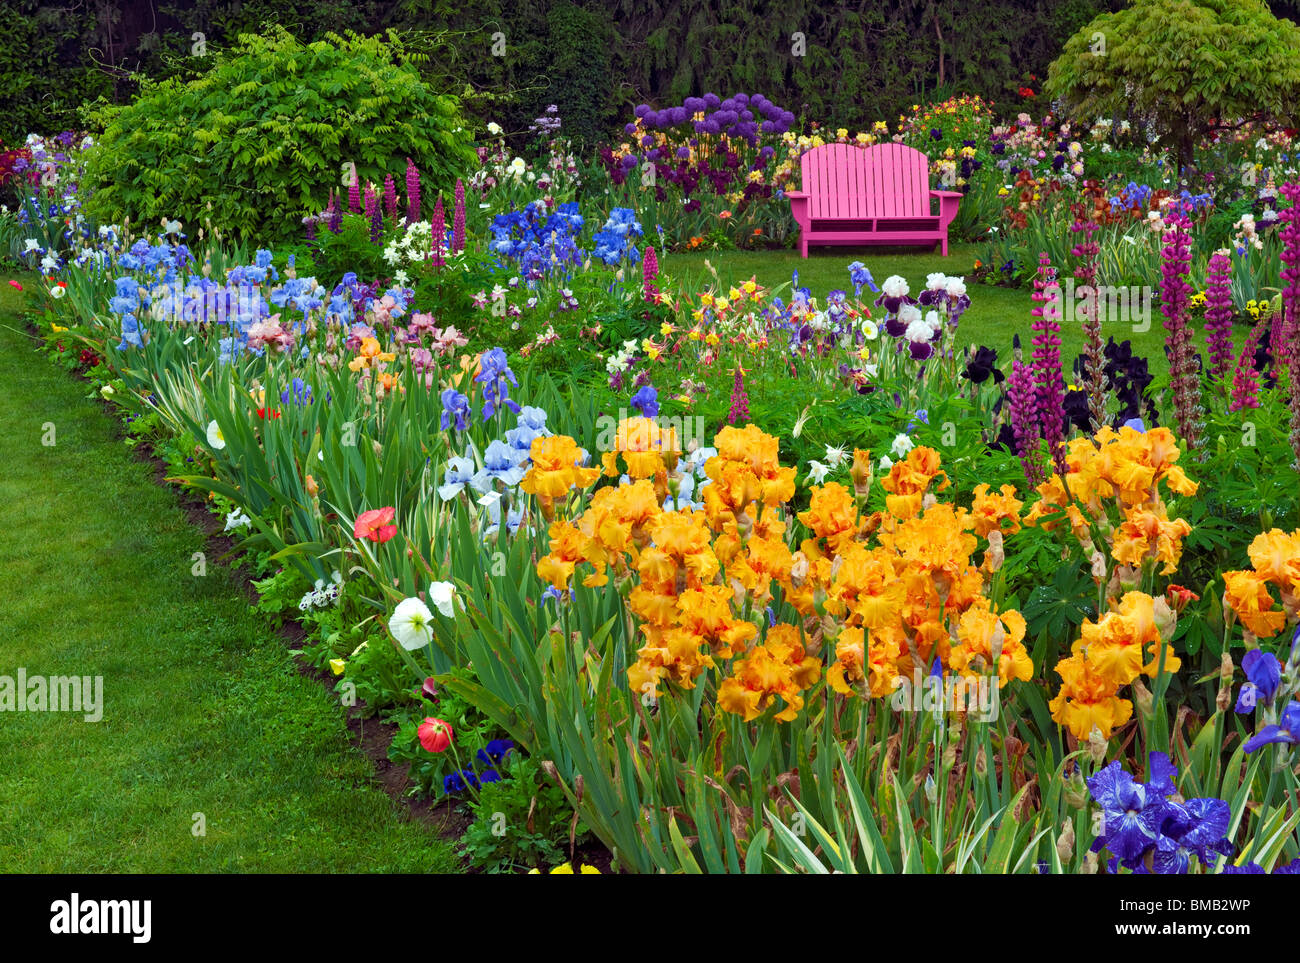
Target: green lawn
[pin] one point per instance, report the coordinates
(203, 710)
(995, 313)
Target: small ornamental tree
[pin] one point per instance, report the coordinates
(1192, 69)
(270, 130)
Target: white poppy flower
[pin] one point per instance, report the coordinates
(411, 624)
(215, 438)
(441, 594)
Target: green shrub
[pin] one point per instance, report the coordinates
(264, 136)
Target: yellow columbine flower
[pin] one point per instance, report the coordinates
(712, 339)
(56, 328)
(666, 329)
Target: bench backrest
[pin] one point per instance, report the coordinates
(884, 180)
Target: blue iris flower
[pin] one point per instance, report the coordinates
(1264, 673)
(861, 278)
(1146, 831)
(455, 404)
(646, 401)
(496, 377)
(500, 463)
(1285, 732)
(457, 473)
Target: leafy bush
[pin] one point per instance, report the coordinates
(264, 136)
(519, 821)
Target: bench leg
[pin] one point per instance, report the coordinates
(803, 244)
(945, 245)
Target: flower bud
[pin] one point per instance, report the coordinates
(1223, 701)
(1166, 618)
(1065, 841)
(861, 471)
(1143, 698)
(1096, 745)
(312, 488)
(1076, 790)
(995, 555)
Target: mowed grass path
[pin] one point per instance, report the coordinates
(995, 314)
(203, 710)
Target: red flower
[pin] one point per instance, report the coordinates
(15, 284)
(375, 526)
(435, 735)
(261, 413)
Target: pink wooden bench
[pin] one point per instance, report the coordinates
(869, 195)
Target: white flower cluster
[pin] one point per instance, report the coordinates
(325, 593)
(413, 247)
(620, 361)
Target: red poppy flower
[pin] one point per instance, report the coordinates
(262, 413)
(375, 526)
(435, 735)
(15, 284)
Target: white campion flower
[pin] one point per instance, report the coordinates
(817, 472)
(216, 439)
(901, 446)
(411, 624)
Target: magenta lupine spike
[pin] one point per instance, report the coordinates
(439, 239)
(1218, 315)
(739, 400)
(1049, 384)
(1288, 352)
(1175, 295)
(650, 271)
(390, 196)
(412, 192)
(354, 193)
(458, 220)
(1245, 382)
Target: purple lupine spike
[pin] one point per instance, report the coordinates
(1218, 314)
(309, 226)
(1288, 350)
(390, 196)
(1175, 295)
(412, 192)
(458, 220)
(1049, 385)
(1022, 400)
(376, 218)
(439, 238)
(354, 193)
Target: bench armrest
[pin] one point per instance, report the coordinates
(947, 194)
(796, 194)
